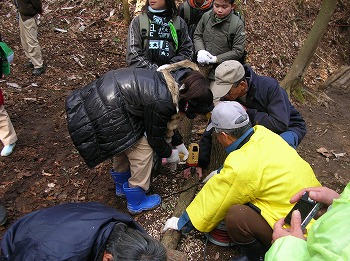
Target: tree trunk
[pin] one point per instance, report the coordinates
(185, 129)
(217, 156)
(293, 80)
(126, 12)
(139, 5)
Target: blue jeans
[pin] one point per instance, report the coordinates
(291, 138)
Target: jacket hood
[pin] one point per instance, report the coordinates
(206, 5)
(174, 73)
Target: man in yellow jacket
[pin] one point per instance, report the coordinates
(252, 190)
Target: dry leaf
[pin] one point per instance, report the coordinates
(324, 152)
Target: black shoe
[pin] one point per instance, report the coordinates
(29, 65)
(3, 215)
(38, 71)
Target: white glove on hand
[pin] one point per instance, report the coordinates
(203, 57)
(162, 67)
(182, 149)
(174, 157)
(214, 172)
(213, 59)
(171, 223)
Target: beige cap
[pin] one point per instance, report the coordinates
(226, 74)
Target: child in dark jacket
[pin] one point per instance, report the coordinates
(192, 11)
(160, 42)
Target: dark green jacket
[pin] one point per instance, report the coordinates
(213, 36)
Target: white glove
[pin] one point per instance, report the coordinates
(174, 157)
(182, 149)
(203, 57)
(162, 67)
(213, 59)
(214, 172)
(171, 223)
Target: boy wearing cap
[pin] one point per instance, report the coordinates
(252, 190)
(266, 103)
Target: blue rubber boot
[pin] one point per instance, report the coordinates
(138, 201)
(119, 179)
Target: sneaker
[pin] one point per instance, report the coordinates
(8, 149)
(38, 71)
(29, 65)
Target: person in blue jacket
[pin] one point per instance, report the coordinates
(265, 101)
(79, 231)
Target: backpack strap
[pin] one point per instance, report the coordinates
(144, 27)
(187, 12)
(240, 16)
(206, 17)
(173, 33)
(231, 31)
(232, 28)
(176, 22)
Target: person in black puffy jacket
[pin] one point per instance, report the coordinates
(79, 232)
(131, 113)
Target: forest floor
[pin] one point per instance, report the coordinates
(83, 39)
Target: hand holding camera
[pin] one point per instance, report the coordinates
(310, 198)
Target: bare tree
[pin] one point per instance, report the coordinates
(126, 11)
(139, 5)
(293, 80)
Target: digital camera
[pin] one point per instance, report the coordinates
(307, 208)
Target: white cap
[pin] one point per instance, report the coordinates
(228, 115)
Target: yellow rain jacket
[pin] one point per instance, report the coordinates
(265, 171)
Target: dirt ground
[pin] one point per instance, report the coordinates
(83, 39)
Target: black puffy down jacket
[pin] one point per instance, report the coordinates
(111, 114)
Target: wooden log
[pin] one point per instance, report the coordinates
(185, 129)
(217, 156)
(341, 77)
(171, 238)
(175, 255)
